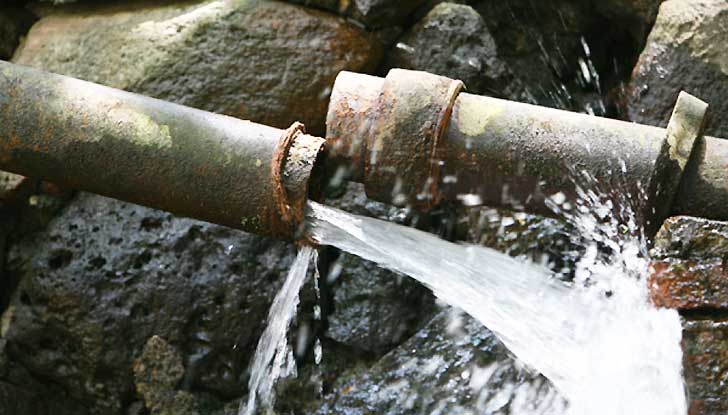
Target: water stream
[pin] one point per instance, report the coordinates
(273, 356)
(597, 339)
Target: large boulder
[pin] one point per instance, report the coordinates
(374, 309)
(105, 276)
(453, 40)
(453, 365)
(266, 61)
(685, 51)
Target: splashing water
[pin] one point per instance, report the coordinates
(273, 357)
(597, 339)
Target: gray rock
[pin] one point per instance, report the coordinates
(454, 41)
(685, 237)
(374, 309)
(21, 393)
(106, 275)
(265, 61)
(685, 51)
(452, 366)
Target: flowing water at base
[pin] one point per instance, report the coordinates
(273, 357)
(597, 339)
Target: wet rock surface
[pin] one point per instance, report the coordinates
(453, 40)
(374, 309)
(636, 16)
(690, 274)
(452, 365)
(705, 344)
(688, 237)
(689, 261)
(684, 52)
(269, 62)
(560, 53)
(106, 275)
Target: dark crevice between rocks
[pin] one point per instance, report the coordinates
(705, 313)
(15, 21)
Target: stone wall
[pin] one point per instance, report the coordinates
(112, 308)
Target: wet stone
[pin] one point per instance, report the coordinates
(268, 62)
(705, 344)
(559, 52)
(689, 264)
(688, 237)
(453, 40)
(684, 51)
(635, 16)
(105, 276)
(689, 284)
(374, 309)
(453, 365)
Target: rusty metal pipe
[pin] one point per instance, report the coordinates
(154, 153)
(503, 153)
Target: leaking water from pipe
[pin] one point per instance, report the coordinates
(273, 356)
(597, 338)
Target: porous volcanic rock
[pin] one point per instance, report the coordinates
(106, 275)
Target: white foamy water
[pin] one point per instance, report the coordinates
(598, 339)
(273, 356)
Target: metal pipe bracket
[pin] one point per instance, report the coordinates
(683, 130)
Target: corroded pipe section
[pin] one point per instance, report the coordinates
(516, 155)
(387, 132)
(503, 153)
(147, 151)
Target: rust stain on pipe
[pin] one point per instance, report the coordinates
(147, 151)
(516, 155)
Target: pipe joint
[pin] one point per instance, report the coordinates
(390, 132)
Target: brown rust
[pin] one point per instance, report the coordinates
(283, 217)
(689, 284)
(508, 154)
(190, 162)
(386, 133)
